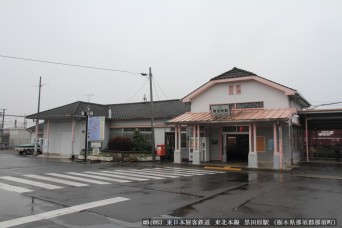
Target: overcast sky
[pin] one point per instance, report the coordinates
(186, 42)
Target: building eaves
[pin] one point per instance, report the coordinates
(141, 110)
(70, 110)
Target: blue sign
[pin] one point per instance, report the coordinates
(96, 128)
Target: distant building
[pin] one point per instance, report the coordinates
(18, 136)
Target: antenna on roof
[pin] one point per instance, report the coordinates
(89, 95)
(144, 98)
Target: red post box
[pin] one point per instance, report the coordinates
(161, 150)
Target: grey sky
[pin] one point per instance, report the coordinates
(295, 43)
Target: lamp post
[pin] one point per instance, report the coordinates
(152, 115)
(86, 113)
(37, 121)
(3, 123)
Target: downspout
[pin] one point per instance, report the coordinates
(221, 141)
(307, 139)
(290, 139)
(281, 145)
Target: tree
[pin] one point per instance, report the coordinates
(139, 143)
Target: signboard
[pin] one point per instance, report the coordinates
(220, 110)
(96, 128)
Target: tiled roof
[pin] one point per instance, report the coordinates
(69, 110)
(247, 115)
(234, 73)
(162, 109)
(142, 110)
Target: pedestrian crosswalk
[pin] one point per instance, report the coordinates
(53, 181)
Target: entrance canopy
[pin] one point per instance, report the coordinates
(246, 115)
(323, 119)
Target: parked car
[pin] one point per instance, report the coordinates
(28, 149)
(3, 146)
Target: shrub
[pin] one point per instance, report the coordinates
(120, 143)
(139, 143)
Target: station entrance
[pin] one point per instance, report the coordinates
(237, 147)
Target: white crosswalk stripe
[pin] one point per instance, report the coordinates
(12, 188)
(33, 183)
(77, 178)
(137, 171)
(176, 172)
(169, 174)
(195, 170)
(56, 180)
(135, 175)
(99, 177)
(118, 176)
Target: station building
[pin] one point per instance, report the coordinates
(237, 116)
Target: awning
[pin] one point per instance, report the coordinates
(246, 115)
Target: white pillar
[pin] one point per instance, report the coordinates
(276, 155)
(197, 155)
(177, 155)
(253, 156)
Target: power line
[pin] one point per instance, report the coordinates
(334, 103)
(67, 64)
(137, 91)
(161, 89)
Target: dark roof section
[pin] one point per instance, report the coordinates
(141, 110)
(73, 109)
(234, 73)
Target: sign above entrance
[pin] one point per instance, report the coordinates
(220, 110)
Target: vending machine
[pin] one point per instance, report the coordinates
(203, 148)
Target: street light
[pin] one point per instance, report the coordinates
(152, 115)
(86, 113)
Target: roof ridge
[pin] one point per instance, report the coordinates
(144, 102)
(234, 73)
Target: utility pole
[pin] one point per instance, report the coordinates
(3, 124)
(37, 122)
(152, 115)
(152, 119)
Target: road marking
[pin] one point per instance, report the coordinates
(71, 183)
(77, 178)
(134, 175)
(12, 188)
(33, 183)
(196, 170)
(118, 176)
(175, 172)
(60, 212)
(223, 168)
(167, 174)
(99, 177)
(137, 171)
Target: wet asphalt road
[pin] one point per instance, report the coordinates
(313, 190)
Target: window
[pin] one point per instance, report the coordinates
(260, 141)
(238, 89)
(183, 140)
(231, 90)
(250, 105)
